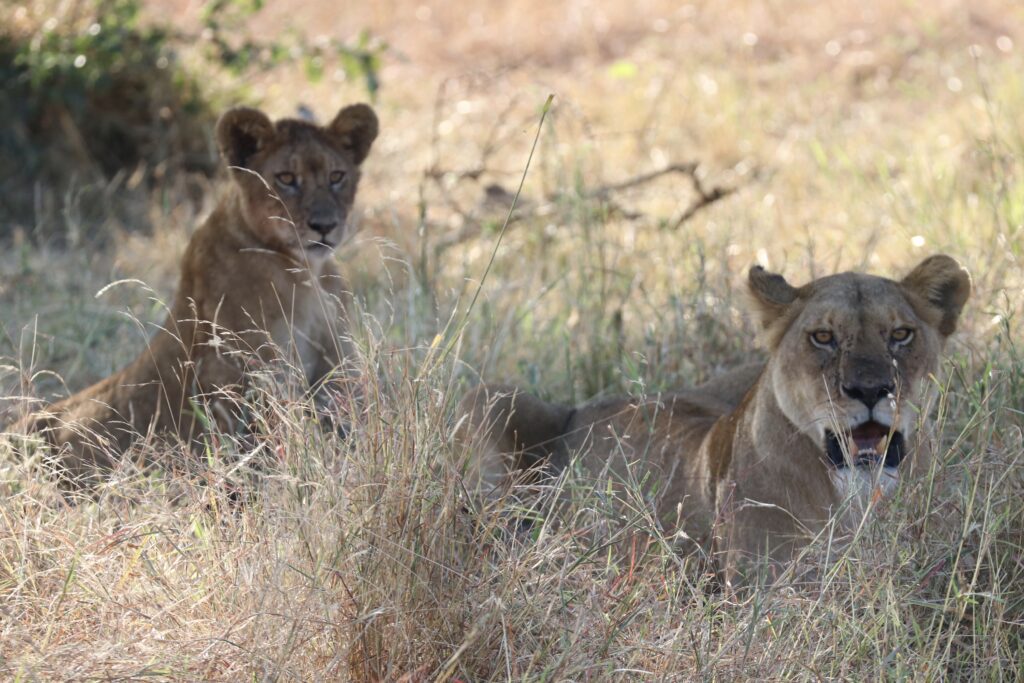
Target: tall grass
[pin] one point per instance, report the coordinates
(363, 558)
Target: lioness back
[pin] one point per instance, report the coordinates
(757, 460)
(257, 285)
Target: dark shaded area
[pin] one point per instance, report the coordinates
(92, 108)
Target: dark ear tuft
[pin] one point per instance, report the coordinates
(772, 300)
(771, 294)
(241, 133)
(357, 127)
(945, 285)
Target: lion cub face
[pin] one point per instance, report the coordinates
(852, 354)
(297, 180)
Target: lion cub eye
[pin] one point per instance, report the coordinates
(336, 177)
(287, 179)
(901, 336)
(823, 338)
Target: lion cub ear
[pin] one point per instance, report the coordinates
(944, 285)
(242, 132)
(357, 127)
(771, 296)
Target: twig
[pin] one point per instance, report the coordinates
(703, 200)
(688, 169)
(444, 179)
(471, 227)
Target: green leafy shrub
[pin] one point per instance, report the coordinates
(89, 100)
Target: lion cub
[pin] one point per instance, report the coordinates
(257, 283)
(755, 462)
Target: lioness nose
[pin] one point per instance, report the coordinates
(869, 395)
(322, 226)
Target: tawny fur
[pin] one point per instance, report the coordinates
(257, 285)
(739, 462)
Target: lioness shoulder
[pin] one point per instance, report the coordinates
(257, 284)
(758, 460)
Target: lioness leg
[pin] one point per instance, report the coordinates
(507, 431)
(755, 544)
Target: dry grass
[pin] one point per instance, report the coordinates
(862, 137)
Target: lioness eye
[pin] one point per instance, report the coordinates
(286, 179)
(901, 335)
(337, 177)
(823, 338)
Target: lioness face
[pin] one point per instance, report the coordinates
(852, 357)
(298, 180)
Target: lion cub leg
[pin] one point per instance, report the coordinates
(87, 432)
(507, 432)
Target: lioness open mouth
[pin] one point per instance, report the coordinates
(870, 444)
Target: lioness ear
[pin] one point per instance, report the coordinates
(944, 285)
(771, 294)
(241, 133)
(772, 297)
(357, 127)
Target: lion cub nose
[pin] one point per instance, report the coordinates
(321, 226)
(868, 394)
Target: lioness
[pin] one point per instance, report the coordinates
(752, 463)
(257, 282)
